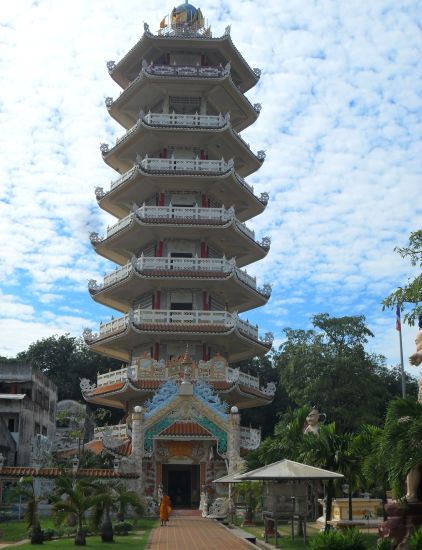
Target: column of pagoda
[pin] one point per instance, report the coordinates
(181, 238)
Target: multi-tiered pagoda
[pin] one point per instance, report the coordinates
(180, 243)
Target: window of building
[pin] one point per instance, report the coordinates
(37, 428)
(44, 431)
(11, 425)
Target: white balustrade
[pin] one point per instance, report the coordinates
(185, 70)
(123, 178)
(188, 213)
(118, 431)
(186, 165)
(117, 275)
(248, 329)
(250, 438)
(112, 377)
(249, 380)
(177, 119)
(183, 317)
(167, 263)
(119, 225)
(245, 230)
(113, 325)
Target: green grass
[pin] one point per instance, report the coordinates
(120, 543)
(13, 531)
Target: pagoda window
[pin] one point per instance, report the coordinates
(181, 300)
(185, 105)
(185, 58)
(183, 200)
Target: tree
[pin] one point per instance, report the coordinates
(401, 441)
(65, 359)
(74, 497)
(411, 293)
(114, 497)
(265, 417)
(328, 366)
(26, 489)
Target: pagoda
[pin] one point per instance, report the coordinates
(179, 244)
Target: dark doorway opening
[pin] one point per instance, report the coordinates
(182, 484)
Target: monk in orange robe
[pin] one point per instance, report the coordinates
(165, 509)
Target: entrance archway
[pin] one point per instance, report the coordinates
(181, 482)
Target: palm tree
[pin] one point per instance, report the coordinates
(74, 497)
(324, 451)
(113, 497)
(26, 489)
(401, 441)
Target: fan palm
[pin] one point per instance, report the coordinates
(401, 441)
(74, 497)
(26, 490)
(114, 497)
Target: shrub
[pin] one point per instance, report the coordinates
(48, 534)
(123, 528)
(415, 542)
(335, 540)
(384, 544)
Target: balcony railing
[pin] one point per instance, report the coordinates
(176, 119)
(214, 370)
(250, 438)
(118, 431)
(170, 212)
(179, 317)
(185, 70)
(167, 263)
(185, 165)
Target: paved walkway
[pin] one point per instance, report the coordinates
(194, 533)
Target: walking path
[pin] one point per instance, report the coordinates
(185, 532)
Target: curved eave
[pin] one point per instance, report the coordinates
(122, 245)
(136, 392)
(231, 341)
(147, 90)
(144, 49)
(151, 138)
(140, 185)
(238, 295)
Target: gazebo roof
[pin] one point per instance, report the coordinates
(285, 470)
(229, 478)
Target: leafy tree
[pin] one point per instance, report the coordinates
(410, 293)
(26, 489)
(328, 366)
(65, 359)
(265, 417)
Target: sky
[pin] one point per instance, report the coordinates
(340, 123)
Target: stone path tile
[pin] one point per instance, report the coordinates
(194, 533)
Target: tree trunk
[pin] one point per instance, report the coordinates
(329, 504)
(107, 528)
(80, 537)
(36, 534)
(350, 504)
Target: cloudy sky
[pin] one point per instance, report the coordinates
(341, 126)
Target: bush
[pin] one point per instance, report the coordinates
(48, 534)
(335, 540)
(415, 542)
(123, 528)
(384, 544)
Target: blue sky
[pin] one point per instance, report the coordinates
(340, 123)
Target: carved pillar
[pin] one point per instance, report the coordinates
(138, 443)
(233, 440)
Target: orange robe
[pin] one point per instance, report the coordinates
(165, 508)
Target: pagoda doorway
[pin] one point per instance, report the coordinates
(181, 482)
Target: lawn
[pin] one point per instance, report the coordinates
(12, 531)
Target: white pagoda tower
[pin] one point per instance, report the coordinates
(179, 244)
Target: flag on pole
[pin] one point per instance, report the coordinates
(398, 321)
